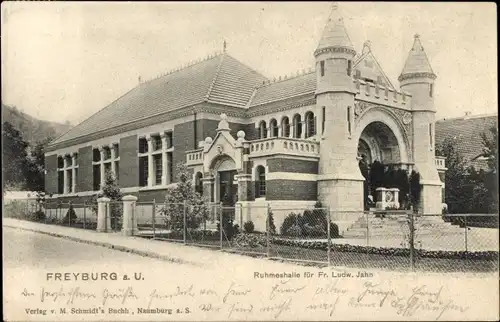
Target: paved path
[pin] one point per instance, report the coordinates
(211, 285)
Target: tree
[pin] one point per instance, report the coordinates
(14, 165)
(183, 198)
(490, 149)
(35, 176)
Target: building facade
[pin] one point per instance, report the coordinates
(254, 141)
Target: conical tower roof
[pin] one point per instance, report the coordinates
(417, 62)
(334, 35)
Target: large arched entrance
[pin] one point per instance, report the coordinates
(226, 187)
(381, 160)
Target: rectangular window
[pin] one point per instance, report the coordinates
(60, 182)
(322, 67)
(107, 167)
(107, 153)
(96, 155)
(349, 119)
(170, 166)
(97, 177)
(117, 170)
(143, 145)
(143, 171)
(60, 162)
(431, 89)
(69, 184)
(157, 160)
(323, 121)
(75, 159)
(169, 139)
(76, 179)
(430, 134)
(116, 147)
(349, 67)
(156, 143)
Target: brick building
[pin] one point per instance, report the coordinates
(289, 142)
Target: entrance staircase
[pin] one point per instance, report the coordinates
(397, 224)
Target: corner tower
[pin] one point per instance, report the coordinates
(340, 184)
(417, 78)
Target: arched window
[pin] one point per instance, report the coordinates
(310, 126)
(273, 125)
(285, 127)
(263, 130)
(198, 183)
(297, 126)
(260, 182)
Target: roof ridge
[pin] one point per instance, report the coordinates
(217, 72)
(286, 78)
(468, 117)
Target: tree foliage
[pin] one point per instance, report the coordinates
(183, 198)
(15, 158)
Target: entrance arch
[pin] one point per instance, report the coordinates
(224, 170)
(378, 143)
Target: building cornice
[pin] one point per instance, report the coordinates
(403, 77)
(343, 50)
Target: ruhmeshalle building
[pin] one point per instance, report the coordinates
(286, 142)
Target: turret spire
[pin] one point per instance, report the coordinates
(334, 35)
(417, 63)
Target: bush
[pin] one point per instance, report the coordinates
(294, 230)
(249, 227)
(272, 227)
(313, 231)
(38, 216)
(70, 215)
(290, 220)
(250, 240)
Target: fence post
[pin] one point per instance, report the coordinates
(465, 224)
(128, 228)
(84, 214)
(367, 229)
(268, 239)
(328, 231)
(153, 217)
(412, 241)
(184, 219)
(102, 214)
(220, 224)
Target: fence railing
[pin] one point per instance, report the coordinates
(391, 239)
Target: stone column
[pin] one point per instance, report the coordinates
(292, 130)
(164, 163)
(280, 130)
(129, 226)
(208, 187)
(303, 129)
(395, 193)
(151, 176)
(73, 173)
(103, 175)
(113, 156)
(103, 215)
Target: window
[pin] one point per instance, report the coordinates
(349, 67)
(96, 155)
(349, 119)
(96, 169)
(116, 147)
(297, 126)
(76, 179)
(143, 171)
(156, 143)
(273, 125)
(263, 130)
(430, 134)
(143, 145)
(285, 127)
(323, 121)
(170, 168)
(75, 159)
(310, 128)
(60, 162)
(322, 67)
(107, 153)
(157, 161)
(69, 184)
(260, 188)
(198, 183)
(431, 89)
(117, 170)
(169, 138)
(60, 182)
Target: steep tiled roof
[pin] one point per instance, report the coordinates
(221, 79)
(417, 61)
(281, 90)
(466, 133)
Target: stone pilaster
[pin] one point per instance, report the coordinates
(103, 215)
(129, 219)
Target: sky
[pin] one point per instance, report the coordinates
(64, 61)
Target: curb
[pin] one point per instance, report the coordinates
(111, 246)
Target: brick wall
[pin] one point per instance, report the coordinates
(291, 190)
(85, 176)
(51, 176)
(292, 165)
(129, 162)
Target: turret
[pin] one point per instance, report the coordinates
(334, 57)
(417, 78)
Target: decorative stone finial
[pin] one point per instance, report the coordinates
(367, 47)
(417, 36)
(208, 140)
(241, 135)
(223, 124)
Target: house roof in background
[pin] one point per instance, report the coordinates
(466, 132)
(220, 79)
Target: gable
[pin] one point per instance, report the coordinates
(368, 69)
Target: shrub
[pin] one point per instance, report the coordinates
(294, 230)
(249, 227)
(290, 220)
(250, 240)
(272, 227)
(70, 215)
(313, 231)
(334, 230)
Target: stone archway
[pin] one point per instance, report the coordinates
(224, 170)
(377, 142)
